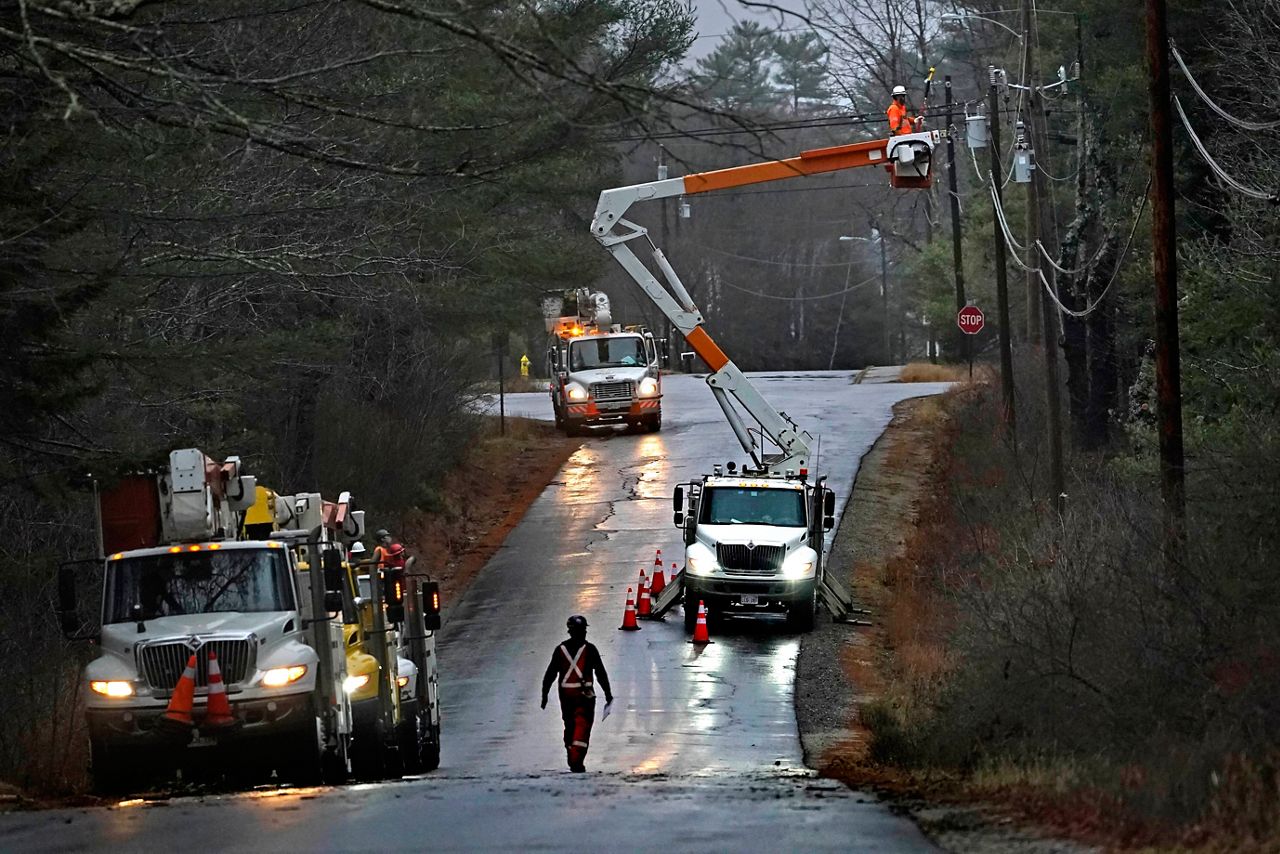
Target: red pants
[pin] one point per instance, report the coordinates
(578, 714)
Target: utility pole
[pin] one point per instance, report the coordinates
(957, 257)
(1002, 276)
(1043, 332)
(884, 299)
(1034, 298)
(1165, 267)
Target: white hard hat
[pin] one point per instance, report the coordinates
(357, 548)
(899, 90)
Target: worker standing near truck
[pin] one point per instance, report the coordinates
(388, 554)
(572, 665)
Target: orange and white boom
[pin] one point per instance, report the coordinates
(906, 157)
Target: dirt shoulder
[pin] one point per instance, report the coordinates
(840, 666)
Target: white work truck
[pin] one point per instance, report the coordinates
(753, 544)
(600, 372)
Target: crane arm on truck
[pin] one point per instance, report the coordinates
(907, 159)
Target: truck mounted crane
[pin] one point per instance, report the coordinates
(755, 538)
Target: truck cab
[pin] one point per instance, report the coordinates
(753, 544)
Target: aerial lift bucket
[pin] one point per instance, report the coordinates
(910, 164)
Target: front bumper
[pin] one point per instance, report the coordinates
(259, 719)
(775, 590)
(591, 413)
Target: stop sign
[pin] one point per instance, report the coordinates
(970, 319)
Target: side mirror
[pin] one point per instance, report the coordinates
(677, 500)
(331, 563)
(828, 502)
(333, 603)
(431, 605)
(690, 530)
(678, 519)
(67, 618)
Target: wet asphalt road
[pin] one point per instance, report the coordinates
(701, 751)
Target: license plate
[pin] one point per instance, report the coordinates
(202, 741)
(749, 599)
(614, 406)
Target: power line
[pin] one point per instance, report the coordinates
(768, 261)
(861, 284)
(1263, 195)
(1238, 122)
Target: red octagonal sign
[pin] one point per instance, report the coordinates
(970, 319)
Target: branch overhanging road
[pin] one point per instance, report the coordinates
(701, 752)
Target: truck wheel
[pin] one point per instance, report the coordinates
(431, 751)
(690, 614)
(302, 761)
(800, 615)
(369, 755)
(654, 424)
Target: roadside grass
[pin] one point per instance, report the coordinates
(1056, 666)
(925, 372)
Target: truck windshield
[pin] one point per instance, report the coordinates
(591, 353)
(732, 505)
(198, 583)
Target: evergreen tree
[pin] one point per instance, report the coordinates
(737, 74)
(802, 67)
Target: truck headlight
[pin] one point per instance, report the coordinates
(700, 565)
(402, 681)
(115, 690)
(576, 392)
(648, 387)
(797, 569)
(353, 684)
(278, 677)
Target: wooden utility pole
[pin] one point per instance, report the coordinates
(1002, 276)
(1044, 330)
(957, 256)
(1165, 268)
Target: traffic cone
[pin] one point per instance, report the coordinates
(645, 607)
(218, 711)
(629, 623)
(184, 695)
(659, 580)
(657, 561)
(700, 634)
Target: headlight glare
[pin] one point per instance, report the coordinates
(577, 392)
(648, 387)
(278, 677)
(798, 569)
(112, 689)
(353, 684)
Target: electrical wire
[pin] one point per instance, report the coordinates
(861, 284)
(1204, 96)
(1251, 192)
(728, 254)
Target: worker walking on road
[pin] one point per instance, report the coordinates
(572, 665)
(900, 119)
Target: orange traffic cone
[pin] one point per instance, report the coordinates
(700, 634)
(657, 561)
(184, 696)
(218, 712)
(629, 623)
(659, 580)
(645, 605)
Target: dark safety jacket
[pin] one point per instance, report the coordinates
(573, 665)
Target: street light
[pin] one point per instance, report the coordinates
(956, 16)
(875, 237)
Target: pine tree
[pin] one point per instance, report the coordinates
(802, 67)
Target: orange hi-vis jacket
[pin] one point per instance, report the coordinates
(900, 120)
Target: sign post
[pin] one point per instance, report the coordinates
(970, 319)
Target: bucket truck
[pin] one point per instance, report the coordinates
(600, 372)
(754, 536)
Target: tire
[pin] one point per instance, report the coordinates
(690, 613)
(303, 760)
(801, 614)
(654, 424)
(431, 751)
(369, 759)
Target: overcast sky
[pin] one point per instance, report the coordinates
(715, 17)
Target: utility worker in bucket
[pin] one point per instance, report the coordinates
(900, 119)
(572, 665)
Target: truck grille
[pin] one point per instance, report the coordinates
(609, 392)
(162, 663)
(740, 560)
